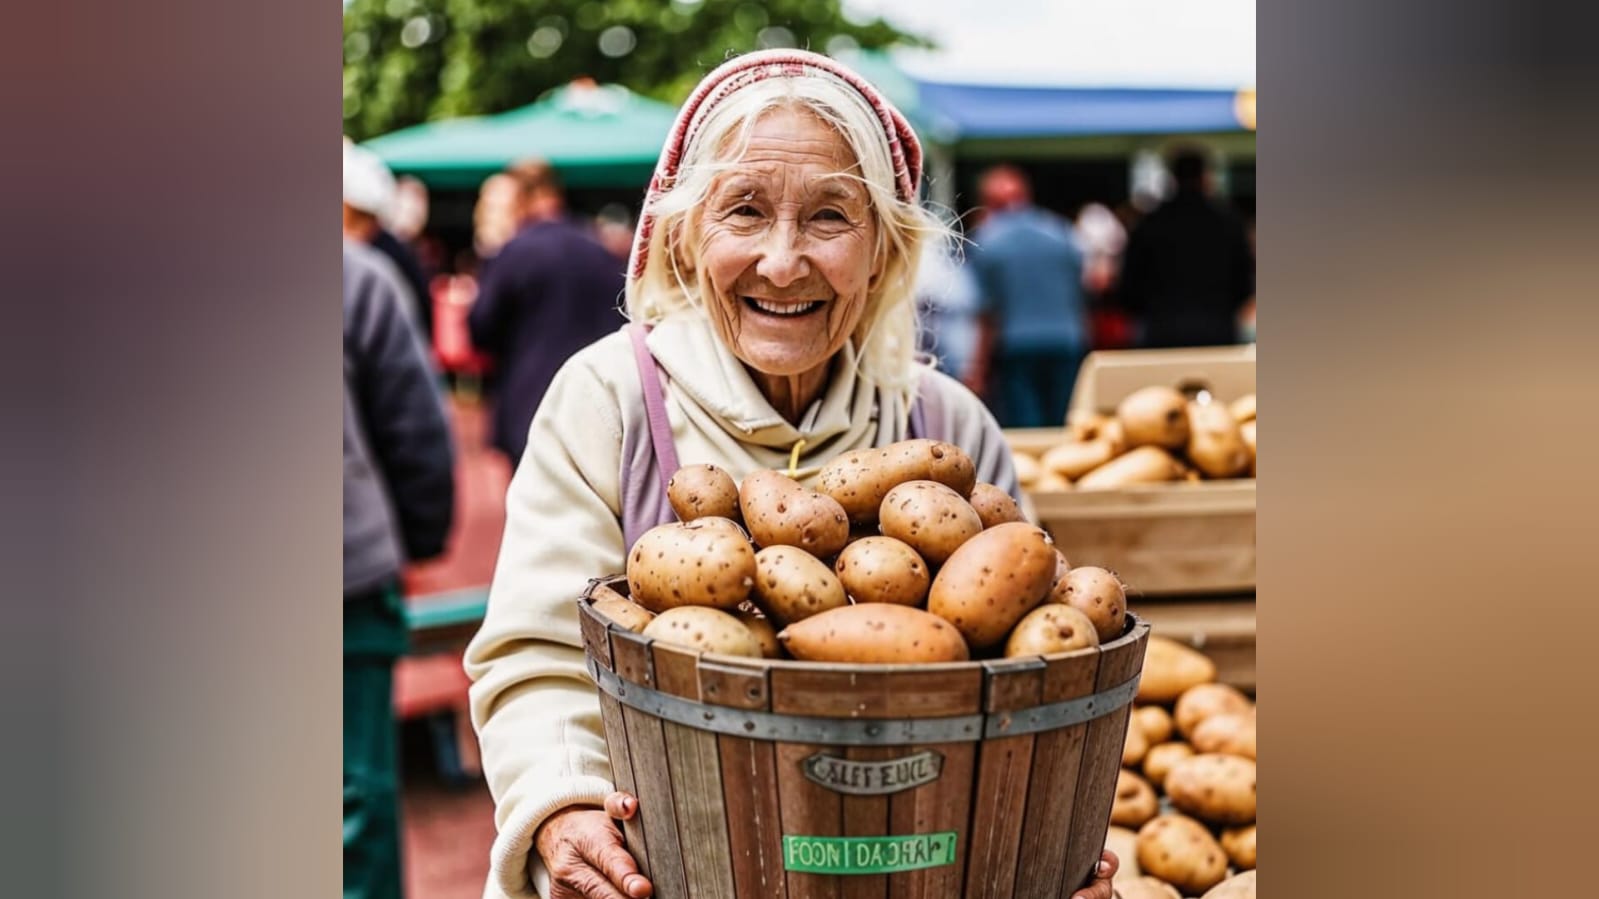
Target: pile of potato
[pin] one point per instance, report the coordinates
(898, 556)
(1184, 812)
(1157, 434)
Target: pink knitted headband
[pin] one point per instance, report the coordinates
(904, 150)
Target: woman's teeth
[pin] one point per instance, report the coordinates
(785, 309)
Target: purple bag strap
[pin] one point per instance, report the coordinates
(654, 405)
(927, 402)
(645, 505)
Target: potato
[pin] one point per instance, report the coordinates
(1155, 721)
(779, 512)
(1243, 408)
(1075, 459)
(1247, 432)
(705, 562)
(859, 480)
(1144, 465)
(1027, 468)
(761, 629)
(882, 569)
(1050, 480)
(929, 518)
(1134, 745)
(1238, 886)
(1200, 702)
(874, 633)
(1170, 669)
(1124, 842)
(1161, 758)
(1135, 801)
(1219, 789)
(1098, 594)
(1146, 887)
(1239, 844)
(1154, 416)
(792, 585)
(703, 630)
(1180, 851)
(995, 506)
(1229, 733)
(628, 614)
(1098, 427)
(993, 580)
(1214, 443)
(1051, 628)
(697, 491)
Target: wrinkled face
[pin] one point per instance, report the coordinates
(786, 246)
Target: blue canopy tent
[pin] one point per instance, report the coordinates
(973, 112)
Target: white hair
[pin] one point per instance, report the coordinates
(886, 338)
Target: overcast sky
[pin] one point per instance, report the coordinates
(1175, 43)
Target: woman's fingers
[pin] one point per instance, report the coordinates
(1103, 872)
(583, 882)
(1108, 865)
(621, 805)
(607, 854)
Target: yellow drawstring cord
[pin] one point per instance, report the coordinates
(793, 458)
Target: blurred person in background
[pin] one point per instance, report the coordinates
(494, 216)
(399, 496)
(371, 199)
(552, 289)
(1034, 328)
(1188, 270)
(1103, 240)
(614, 228)
(946, 296)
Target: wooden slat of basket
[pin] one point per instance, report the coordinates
(809, 810)
(1051, 793)
(925, 691)
(999, 799)
(646, 740)
(942, 805)
(754, 820)
(749, 776)
(694, 761)
(597, 640)
(622, 775)
(596, 637)
(867, 816)
(1096, 784)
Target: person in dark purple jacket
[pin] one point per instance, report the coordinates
(550, 291)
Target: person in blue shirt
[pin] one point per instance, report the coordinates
(1034, 330)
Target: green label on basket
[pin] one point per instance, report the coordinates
(868, 855)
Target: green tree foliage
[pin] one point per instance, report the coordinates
(408, 61)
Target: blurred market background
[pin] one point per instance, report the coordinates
(1088, 102)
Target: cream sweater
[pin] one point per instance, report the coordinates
(535, 708)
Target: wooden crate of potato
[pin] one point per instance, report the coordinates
(1184, 817)
(888, 685)
(1153, 474)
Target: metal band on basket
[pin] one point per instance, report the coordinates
(862, 731)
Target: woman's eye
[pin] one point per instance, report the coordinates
(830, 215)
(746, 211)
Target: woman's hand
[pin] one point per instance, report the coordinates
(1101, 888)
(583, 851)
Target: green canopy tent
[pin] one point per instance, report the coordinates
(595, 136)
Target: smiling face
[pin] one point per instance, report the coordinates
(786, 244)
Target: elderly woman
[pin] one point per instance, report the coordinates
(770, 295)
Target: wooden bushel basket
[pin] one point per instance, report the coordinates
(759, 779)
